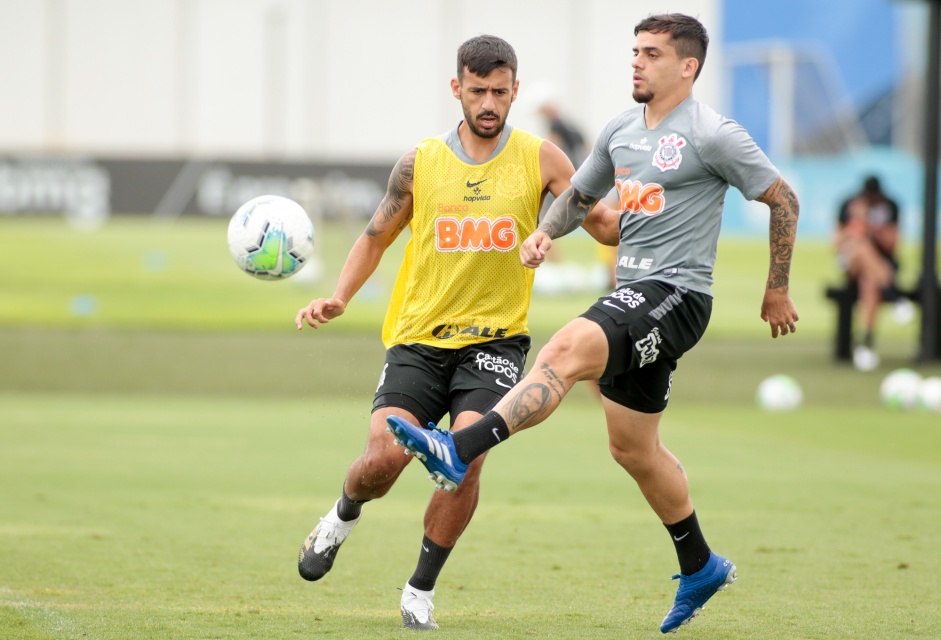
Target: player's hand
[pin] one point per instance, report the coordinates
(777, 309)
(321, 310)
(534, 248)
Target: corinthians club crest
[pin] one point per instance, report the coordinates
(668, 155)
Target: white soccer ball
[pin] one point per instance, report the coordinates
(929, 394)
(779, 393)
(899, 389)
(271, 237)
(865, 359)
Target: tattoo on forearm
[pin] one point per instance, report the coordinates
(533, 403)
(397, 193)
(554, 381)
(782, 231)
(567, 213)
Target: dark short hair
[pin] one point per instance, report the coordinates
(871, 185)
(482, 54)
(687, 34)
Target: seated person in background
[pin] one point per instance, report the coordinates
(866, 239)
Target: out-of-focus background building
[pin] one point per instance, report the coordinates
(192, 106)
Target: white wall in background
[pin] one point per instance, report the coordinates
(280, 79)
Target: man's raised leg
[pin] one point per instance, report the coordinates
(579, 351)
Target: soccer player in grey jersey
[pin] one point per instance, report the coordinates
(671, 182)
(671, 160)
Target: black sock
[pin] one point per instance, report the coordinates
(349, 509)
(480, 437)
(867, 339)
(691, 547)
(430, 562)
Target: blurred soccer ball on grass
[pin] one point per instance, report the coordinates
(779, 393)
(271, 237)
(929, 394)
(899, 389)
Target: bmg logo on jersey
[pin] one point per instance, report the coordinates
(475, 234)
(636, 197)
(507, 372)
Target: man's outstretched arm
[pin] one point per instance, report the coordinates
(777, 308)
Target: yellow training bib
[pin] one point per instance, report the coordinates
(461, 281)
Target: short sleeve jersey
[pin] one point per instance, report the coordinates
(461, 281)
(671, 183)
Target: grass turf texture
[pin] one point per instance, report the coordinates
(142, 517)
(163, 457)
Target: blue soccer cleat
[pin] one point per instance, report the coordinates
(696, 589)
(434, 447)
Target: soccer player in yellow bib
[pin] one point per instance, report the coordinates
(455, 331)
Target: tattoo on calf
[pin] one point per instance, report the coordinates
(534, 401)
(529, 402)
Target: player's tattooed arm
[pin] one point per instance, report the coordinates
(532, 403)
(395, 210)
(785, 209)
(567, 213)
(390, 218)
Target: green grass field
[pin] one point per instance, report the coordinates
(167, 440)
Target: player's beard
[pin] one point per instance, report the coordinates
(642, 97)
(485, 133)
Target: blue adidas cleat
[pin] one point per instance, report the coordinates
(434, 447)
(695, 591)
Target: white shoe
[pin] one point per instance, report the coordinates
(864, 358)
(417, 608)
(320, 548)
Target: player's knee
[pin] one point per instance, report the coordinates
(571, 356)
(380, 465)
(634, 460)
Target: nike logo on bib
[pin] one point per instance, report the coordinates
(471, 185)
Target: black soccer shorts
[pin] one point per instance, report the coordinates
(649, 326)
(431, 381)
